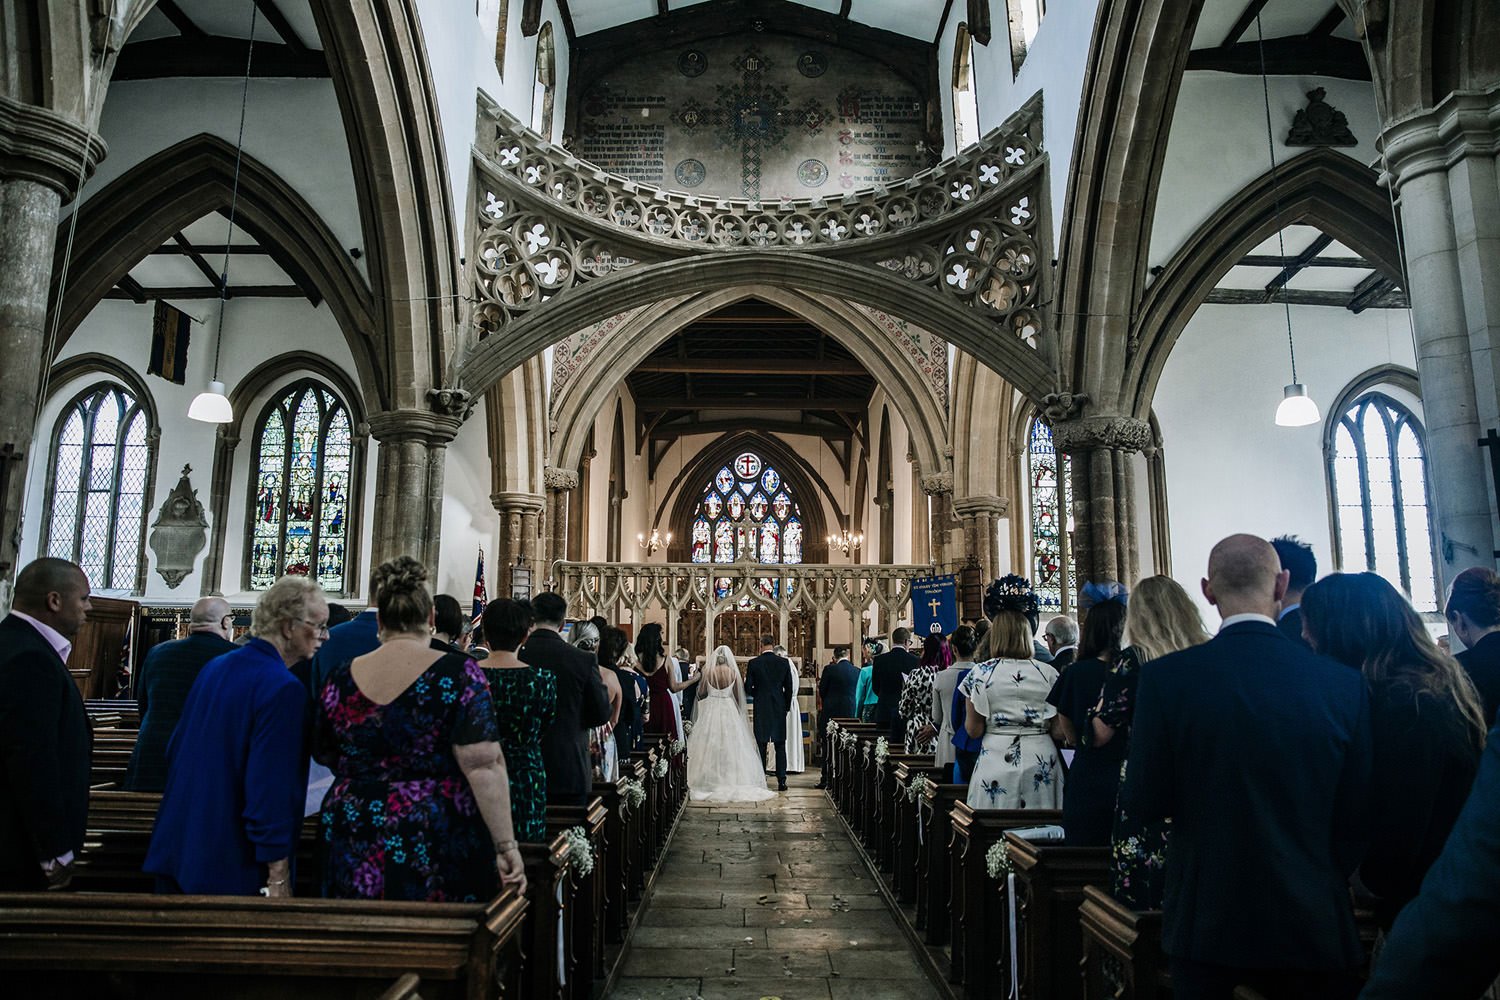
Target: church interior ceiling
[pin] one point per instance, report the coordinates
(185, 38)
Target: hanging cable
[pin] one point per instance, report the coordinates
(1265, 91)
(234, 191)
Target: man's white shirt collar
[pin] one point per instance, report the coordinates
(1249, 616)
(54, 638)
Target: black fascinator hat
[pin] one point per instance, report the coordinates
(1012, 593)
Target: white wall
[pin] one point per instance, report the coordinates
(469, 519)
(1229, 467)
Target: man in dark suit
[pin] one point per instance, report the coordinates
(1259, 750)
(356, 637)
(835, 697)
(1301, 566)
(685, 671)
(1473, 613)
(162, 688)
(768, 682)
(582, 702)
(45, 738)
(890, 670)
(1061, 636)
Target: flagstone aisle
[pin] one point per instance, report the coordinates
(768, 900)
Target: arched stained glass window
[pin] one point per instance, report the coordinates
(101, 463)
(1048, 478)
(1380, 496)
(747, 509)
(303, 458)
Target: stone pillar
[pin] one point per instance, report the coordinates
(518, 534)
(939, 487)
(1443, 165)
(1104, 510)
(981, 516)
(43, 158)
(559, 483)
(409, 483)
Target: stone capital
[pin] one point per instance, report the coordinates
(1465, 123)
(37, 144)
(938, 482)
(981, 504)
(1058, 406)
(394, 426)
(1087, 433)
(559, 480)
(452, 402)
(518, 502)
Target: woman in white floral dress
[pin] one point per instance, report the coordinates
(1018, 766)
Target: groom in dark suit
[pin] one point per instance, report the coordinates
(768, 682)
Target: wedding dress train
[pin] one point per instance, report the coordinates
(723, 764)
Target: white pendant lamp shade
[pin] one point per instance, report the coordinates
(1297, 408)
(212, 407)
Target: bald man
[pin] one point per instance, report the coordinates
(162, 685)
(1259, 751)
(45, 740)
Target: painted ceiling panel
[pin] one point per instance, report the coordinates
(913, 18)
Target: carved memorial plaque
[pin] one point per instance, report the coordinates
(180, 532)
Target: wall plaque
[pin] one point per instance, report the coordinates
(180, 531)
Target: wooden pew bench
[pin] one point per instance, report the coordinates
(1050, 883)
(1122, 957)
(886, 794)
(908, 812)
(585, 895)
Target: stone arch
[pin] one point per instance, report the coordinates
(140, 210)
(806, 274)
(635, 339)
(1321, 187)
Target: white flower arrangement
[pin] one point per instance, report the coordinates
(632, 794)
(678, 746)
(687, 727)
(882, 749)
(916, 787)
(660, 769)
(846, 738)
(580, 849)
(997, 861)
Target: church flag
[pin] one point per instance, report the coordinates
(170, 331)
(934, 605)
(481, 595)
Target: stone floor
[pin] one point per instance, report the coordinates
(768, 900)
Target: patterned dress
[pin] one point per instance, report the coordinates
(525, 705)
(1018, 767)
(1138, 851)
(915, 707)
(400, 822)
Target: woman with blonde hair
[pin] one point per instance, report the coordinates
(1160, 619)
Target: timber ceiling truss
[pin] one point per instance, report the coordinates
(965, 233)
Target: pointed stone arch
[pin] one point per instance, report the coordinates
(143, 207)
(1321, 187)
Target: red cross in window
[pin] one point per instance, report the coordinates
(745, 466)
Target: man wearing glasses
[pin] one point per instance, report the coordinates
(162, 683)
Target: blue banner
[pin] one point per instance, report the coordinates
(934, 605)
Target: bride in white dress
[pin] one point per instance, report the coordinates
(723, 764)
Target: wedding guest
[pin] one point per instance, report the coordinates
(1061, 638)
(684, 671)
(236, 771)
(1297, 559)
(1161, 619)
(1093, 778)
(582, 702)
(916, 694)
(1473, 613)
(45, 738)
(661, 677)
(864, 689)
(612, 658)
(525, 700)
(887, 676)
(836, 690)
(355, 637)
(162, 685)
(447, 621)
(1259, 750)
(602, 747)
(1007, 707)
(796, 761)
(419, 809)
(1426, 721)
(954, 742)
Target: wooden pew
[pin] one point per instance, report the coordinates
(976, 912)
(585, 943)
(908, 844)
(247, 948)
(1050, 879)
(408, 987)
(886, 793)
(619, 837)
(113, 713)
(544, 966)
(936, 834)
(111, 757)
(847, 755)
(1122, 957)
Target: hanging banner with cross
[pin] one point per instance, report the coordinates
(934, 605)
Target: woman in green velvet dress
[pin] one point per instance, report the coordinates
(525, 700)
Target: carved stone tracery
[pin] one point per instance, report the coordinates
(1085, 433)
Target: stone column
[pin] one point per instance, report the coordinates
(981, 516)
(1104, 526)
(559, 483)
(409, 483)
(518, 534)
(43, 158)
(1444, 168)
(939, 487)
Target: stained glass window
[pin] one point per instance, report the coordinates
(750, 496)
(102, 459)
(1051, 500)
(299, 521)
(1380, 496)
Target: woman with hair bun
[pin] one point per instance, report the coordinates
(420, 803)
(1473, 614)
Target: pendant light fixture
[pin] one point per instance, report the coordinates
(212, 406)
(1296, 408)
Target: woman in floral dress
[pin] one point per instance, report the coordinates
(1018, 767)
(1161, 619)
(525, 700)
(915, 705)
